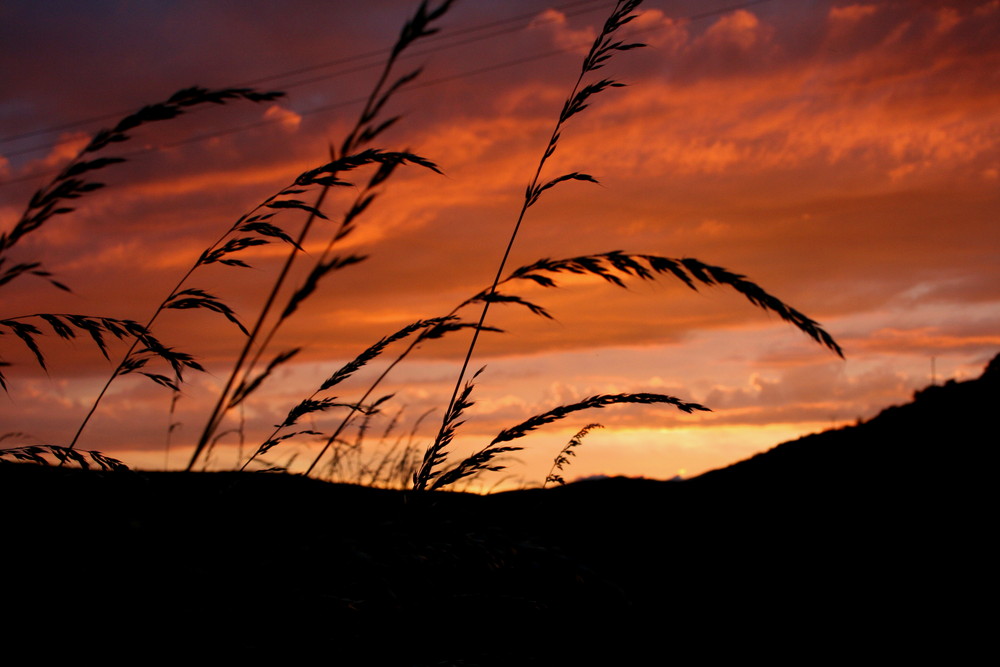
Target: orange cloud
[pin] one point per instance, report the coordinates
(850, 14)
(659, 31)
(289, 120)
(740, 29)
(555, 24)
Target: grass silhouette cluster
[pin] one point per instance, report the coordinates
(358, 163)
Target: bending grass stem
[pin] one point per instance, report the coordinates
(362, 132)
(219, 411)
(350, 415)
(496, 280)
(148, 326)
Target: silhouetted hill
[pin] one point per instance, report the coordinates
(867, 540)
(945, 432)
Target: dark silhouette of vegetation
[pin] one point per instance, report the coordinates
(268, 222)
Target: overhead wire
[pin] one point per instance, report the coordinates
(346, 103)
(502, 26)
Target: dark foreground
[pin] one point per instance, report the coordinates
(870, 540)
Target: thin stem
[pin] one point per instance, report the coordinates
(350, 415)
(359, 134)
(321, 260)
(156, 313)
(503, 263)
(135, 342)
(599, 52)
(219, 411)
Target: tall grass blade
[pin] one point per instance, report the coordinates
(601, 50)
(365, 129)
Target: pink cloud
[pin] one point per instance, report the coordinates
(740, 29)
(555, 24)
(846, 15)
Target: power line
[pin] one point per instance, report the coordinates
(345, 103)
(499, 27)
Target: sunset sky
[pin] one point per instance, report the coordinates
(842, 155)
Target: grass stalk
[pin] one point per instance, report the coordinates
(600, 51)
(218, 411)
(75, 181)
(366, 128)
(562, 459)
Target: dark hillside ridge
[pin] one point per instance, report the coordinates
(868, 538)
(944, 432)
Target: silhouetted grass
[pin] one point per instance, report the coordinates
(562, 459)
(356, 160)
